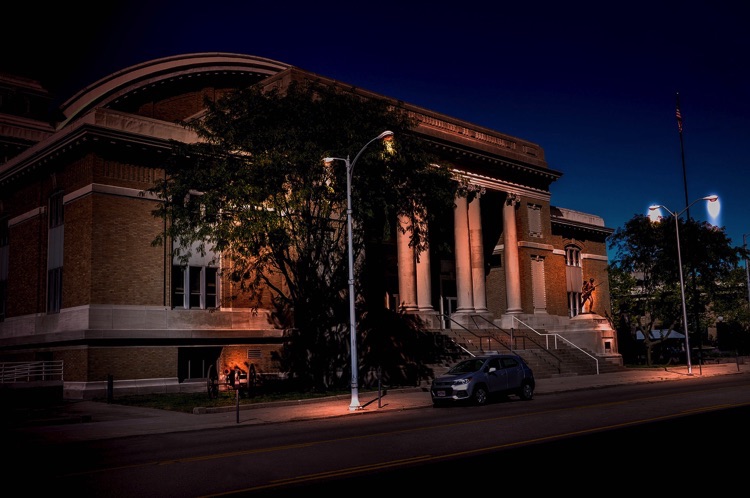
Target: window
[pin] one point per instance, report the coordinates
(573, 279)
(510, 363)
(572, 256)
(4, 255)
(211, 294)
(55, 252)
(56, 209)
(54, 290)
(178, 286)
(194, 287)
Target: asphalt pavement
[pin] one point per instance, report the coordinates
(83, 420)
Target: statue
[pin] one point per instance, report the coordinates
(587, 295)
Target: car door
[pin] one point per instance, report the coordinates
(513, 372)
(497, 379)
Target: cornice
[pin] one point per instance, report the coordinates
(158, 72)
(601, 230)
(100, 125)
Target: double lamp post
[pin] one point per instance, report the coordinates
(676, 216)
(354, 405)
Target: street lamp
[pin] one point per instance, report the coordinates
(747, 271)
(676, 216)
(354, 405)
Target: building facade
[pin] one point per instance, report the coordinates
(80, 280)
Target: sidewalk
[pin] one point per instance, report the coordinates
(92, 420)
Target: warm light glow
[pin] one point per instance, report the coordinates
(389, 145)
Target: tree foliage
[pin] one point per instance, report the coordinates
(645, 280)
(255, 190)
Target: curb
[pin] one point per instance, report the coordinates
(200, 410)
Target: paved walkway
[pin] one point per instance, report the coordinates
(92, 420)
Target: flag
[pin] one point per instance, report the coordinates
(678, 114)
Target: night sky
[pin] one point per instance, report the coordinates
(593, 83)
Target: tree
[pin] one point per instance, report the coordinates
(256, 191)
(645, 283)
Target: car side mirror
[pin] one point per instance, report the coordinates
(492, 369)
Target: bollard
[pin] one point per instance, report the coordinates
(237, 395)
(110, 387)
(379, 391)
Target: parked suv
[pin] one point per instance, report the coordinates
(478, 378)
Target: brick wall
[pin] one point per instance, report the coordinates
(126, 268)
(27, 275)
(125, 363)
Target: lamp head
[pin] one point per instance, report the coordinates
(654, 207)
(387, 134)
(711, 198)
(327, 161)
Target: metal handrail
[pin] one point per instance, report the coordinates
(556, 337)
(31, 371)
(489, 337)
(513, 339)
(509, 334)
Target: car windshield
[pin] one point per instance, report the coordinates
(466, 366)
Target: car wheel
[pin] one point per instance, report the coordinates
(526, 392)
(481, 396)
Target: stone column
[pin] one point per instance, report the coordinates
(464, 298)
(477, 255)
(407, 292)
(424, 283)
(510, 242)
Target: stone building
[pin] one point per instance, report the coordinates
(80, 281)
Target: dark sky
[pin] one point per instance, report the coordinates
(593, 83)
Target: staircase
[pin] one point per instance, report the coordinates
(547, 358)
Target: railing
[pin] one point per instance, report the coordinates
(489, 337)
(555, 338)
(513, 340)
(31, 371)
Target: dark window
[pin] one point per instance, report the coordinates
(54, 290)
(4, 261)
(201, 287)
(178, 286)
(211, 300)
(195, 286)
(56, 217)
(510, 362)
(4, 232)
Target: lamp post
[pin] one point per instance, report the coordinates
(354, 405)
(747, 271)
(676, 216)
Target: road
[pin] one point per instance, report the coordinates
(576, 438)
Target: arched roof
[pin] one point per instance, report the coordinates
(155, 72)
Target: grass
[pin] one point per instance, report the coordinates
(185, 402)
